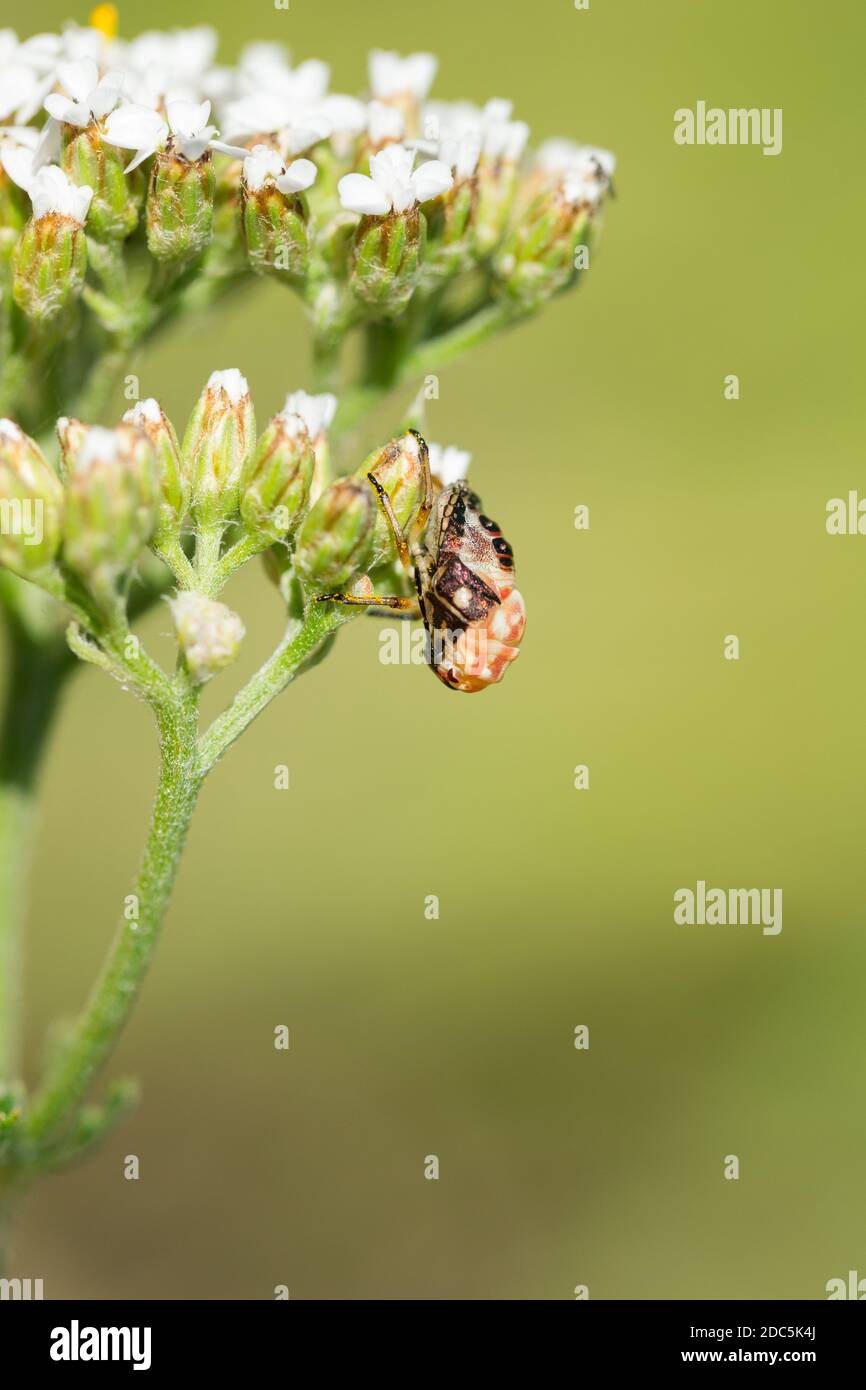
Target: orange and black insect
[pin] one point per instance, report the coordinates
(464, 577)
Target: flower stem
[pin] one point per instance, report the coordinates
(299, 648)
(98, 1028)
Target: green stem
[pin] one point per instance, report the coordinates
(113, 996)
(297, 650)
(428, 356)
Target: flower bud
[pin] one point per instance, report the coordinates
(335, 542)
(275, 487)
(112, 502)
(538, 258)
(180, 206)
(498, 176)
(50, 260)
(218, 441)
(209, 634)
(387, 259)
(149, 417)
(31, 505)
(398, 469)
(317, 413)
(71, 434)
(117, 196)
(275, 213)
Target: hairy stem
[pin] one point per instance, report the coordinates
(99, 1026)
(297, 650)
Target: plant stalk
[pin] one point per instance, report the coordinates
(99, 1026)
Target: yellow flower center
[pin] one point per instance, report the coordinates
(106, 19)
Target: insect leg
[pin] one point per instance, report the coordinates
(370, 601)
(396, 529)
(427, 503)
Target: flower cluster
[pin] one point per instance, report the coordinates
(125, 166)
(204, 503)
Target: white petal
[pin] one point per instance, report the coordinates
(358, 193)
(300, 174)
(431, 179)
(236, 151)
(135, 128)
(187, 118)
(61, 108)
(78, 79)
(18, 163)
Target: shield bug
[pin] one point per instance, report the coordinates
(464, 577)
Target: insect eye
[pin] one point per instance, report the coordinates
(501, 546)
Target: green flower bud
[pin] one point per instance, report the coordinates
(398, 469)
(112, 503)
(117, 197)
(219, 440)
(71, 434)
(335, 541)
(149, 417)
(275, 213)
(387, 259)
(180, 206)
(538, 258)
(449, 231)
(317, 413)
(209, 634)
(275, 487)
(49, 265)
(31, 505)
(498, 178)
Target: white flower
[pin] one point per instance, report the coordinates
(17, 149)
(99, 446)
(455, 128)
(316, 412)
(393, 184)
(21, 92)
(146, 412)
(51, 191)
(505, 140)
(209, 633)
(267, 114)
(84, 95)
(138, 128)
(384, 123)
(191, 134)
(562, 157)
(392, 76)
(230, 380)
(448, 464)
(346, 115)
(264, 165)
(142, 129)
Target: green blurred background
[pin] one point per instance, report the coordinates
(455, 1037)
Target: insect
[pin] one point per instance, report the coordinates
(464, 577)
